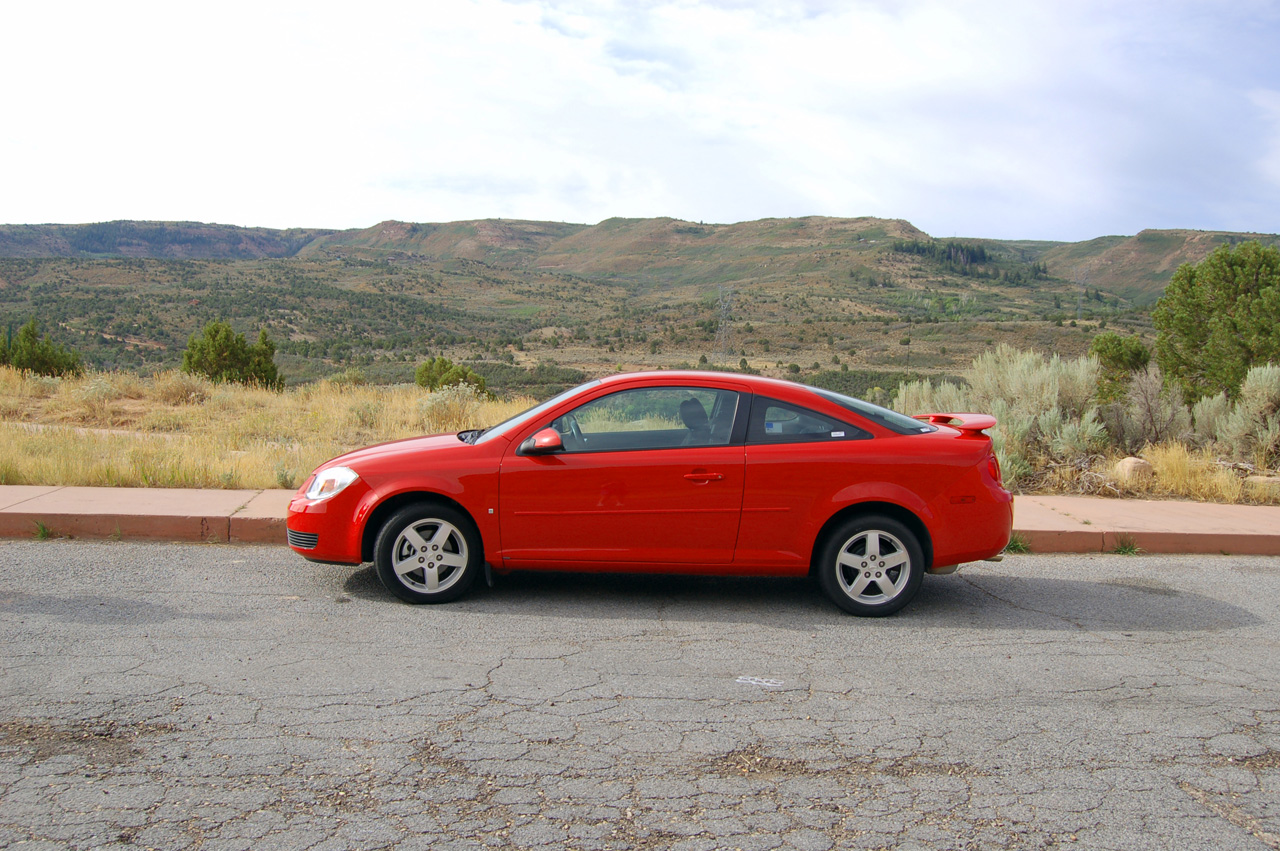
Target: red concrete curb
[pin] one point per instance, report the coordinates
(155, 514)
(1047, 524)
(1061, 540)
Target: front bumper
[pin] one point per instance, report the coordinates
(328, 530)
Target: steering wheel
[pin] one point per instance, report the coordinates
(574, 429)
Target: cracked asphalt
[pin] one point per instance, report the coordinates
(218, 697)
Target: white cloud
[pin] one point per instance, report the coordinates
(981, 118)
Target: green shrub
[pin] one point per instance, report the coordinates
(1118, 359)
(1208, 416)
(29, 351)
(220, 354)
(453, 407)
(435, 373)
(353, 377)
(1043, 406)
(1032, 383)
(1251, 431)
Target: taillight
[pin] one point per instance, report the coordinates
(993, 467)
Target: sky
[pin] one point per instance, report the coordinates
(1010, 120)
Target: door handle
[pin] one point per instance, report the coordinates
(703, 478)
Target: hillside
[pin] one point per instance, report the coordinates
(661, 250)
(1139, 267)
(844, 301)
(492, 240)
(185, 240)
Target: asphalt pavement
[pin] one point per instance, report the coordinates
(236, 697)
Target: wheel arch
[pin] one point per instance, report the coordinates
(888, 509)
(392, 504)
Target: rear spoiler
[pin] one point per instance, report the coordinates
(967, 423)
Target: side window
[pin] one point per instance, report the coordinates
(650, 418)
(781, 422)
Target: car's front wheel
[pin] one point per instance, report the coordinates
(428, 554)
(871, 566)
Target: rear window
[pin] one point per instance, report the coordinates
(891, 420)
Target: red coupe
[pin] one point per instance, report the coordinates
(670, 472)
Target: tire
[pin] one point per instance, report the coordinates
(428, 553)
(871, 587)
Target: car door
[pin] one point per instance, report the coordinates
(796, 459)
(647, 475)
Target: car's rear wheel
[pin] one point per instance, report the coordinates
(428, 553)
(871, 566)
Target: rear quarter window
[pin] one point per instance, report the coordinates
(773, 421)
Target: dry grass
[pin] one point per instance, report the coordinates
(174, 430)
(1179, 472)
(119, 430)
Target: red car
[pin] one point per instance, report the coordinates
(670, 472)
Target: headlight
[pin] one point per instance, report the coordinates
(330, 481)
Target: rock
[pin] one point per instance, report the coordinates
(1263, 481)
(1134, 468)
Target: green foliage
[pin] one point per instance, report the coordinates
(435, 373)
(545, 380)
(1119, 357)
(220, 354)
(1018, 544)
(1126, 546)
(353, 377)
(1218, 319)
(1249, 427)
(29, 351)
(1044, 406)
(857, 383)
(957, 256)
(162, 238)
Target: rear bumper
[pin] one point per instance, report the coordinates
(975, 532)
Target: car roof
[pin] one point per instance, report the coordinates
(757, 383)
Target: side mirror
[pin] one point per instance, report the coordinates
(544, 442)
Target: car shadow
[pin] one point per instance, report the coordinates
(791, 603)
(977, 601)
(996, 601)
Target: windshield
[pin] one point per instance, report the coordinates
(891, 420)
(520, 419)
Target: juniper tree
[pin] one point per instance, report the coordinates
(1220, 317)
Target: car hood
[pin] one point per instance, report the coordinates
(383, 452)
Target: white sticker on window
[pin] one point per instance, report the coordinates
(773, 428)
(837, 434)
